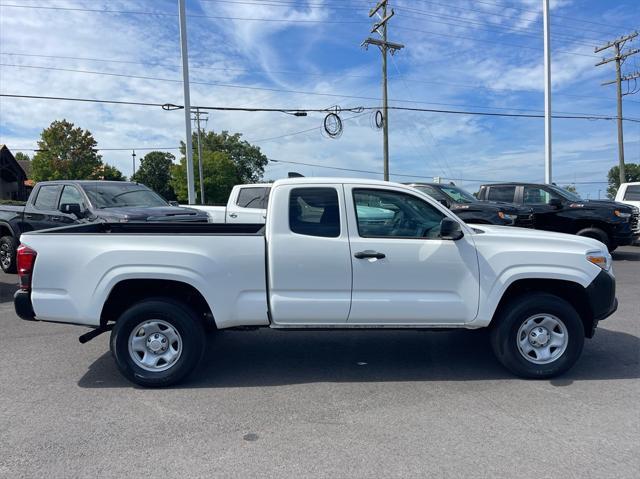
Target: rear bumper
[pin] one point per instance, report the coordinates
(23, 306)
(601, 294)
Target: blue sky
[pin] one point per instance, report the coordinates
(460, 54)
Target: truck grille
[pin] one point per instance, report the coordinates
(635, 222)
(525, 220)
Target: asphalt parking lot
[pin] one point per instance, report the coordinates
(322, 404)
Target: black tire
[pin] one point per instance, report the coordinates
(8, 247)
(521, 310)
(183, 320)
(598, 234)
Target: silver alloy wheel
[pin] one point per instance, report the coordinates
(5, 256)
(542, 338)
(155, 345)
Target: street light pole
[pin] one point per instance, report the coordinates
(187, 101)
(547, 93)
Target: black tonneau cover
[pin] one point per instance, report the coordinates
(176, 228)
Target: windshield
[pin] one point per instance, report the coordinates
(122, 195)
(458, 194)
(566, 194)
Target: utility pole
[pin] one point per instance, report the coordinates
(182, 14)
(547, 93)
(619, 58)
(380, 10)
(133, 156)
(198, 114)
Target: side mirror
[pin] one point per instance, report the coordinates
(174, 203)
(450, 229)
(555, 203)
(445, 203)
(71, 209)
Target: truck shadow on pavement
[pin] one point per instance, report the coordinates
(274, 358)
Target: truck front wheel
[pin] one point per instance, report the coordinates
(8, 245)
(538, 335)
(598, 234)
(157, 342)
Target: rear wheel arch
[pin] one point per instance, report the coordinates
(573, 293)
(128, 292)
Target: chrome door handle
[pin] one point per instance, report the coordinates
(233, 215)
(369, 254)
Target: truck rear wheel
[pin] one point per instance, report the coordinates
(157, 342)
(8, 246)
(538, 335)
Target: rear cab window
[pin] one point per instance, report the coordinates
(314, 212)
(253, 198)
(632, 193)
(502, 193)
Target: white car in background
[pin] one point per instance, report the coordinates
(629, 193)
(247, 204)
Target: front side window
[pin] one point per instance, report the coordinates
(253, 198)
(534, 195)
(314, 212)
(502, 193)
(632, 193)
(70, 194)
(391, 214)
(47, 198)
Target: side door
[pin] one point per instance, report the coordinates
(249, 206)
(42, 213)
(548, 216)
(403, 272)
(309, 260)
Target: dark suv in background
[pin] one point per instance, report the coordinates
(556, 209)
(470, 210)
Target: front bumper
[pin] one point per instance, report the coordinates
(601, 294)
(22, 303)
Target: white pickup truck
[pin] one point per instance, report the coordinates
(247, 204)
(629, 193)
(333, 254)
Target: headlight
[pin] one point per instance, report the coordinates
(603, 260)
(620, 214)
(504, 216)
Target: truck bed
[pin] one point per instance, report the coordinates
(159, 229)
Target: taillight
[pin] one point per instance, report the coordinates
(26, 257)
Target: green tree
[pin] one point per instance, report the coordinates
(22, 156)
(108, 172)
(155, 172)
(220, 175)
(570, 188)
(65, 153)
(631, 173)
(248, 159)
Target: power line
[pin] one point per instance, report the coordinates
(278, 90)
(267, 72)
(169, 106)
(166, 14)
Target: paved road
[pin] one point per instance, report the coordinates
(322, 404)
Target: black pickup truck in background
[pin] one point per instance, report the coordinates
(62, 203)
(472, 211)
(556, 209)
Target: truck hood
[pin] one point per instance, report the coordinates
(489, 206)
(155, 213)
(546, 238)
